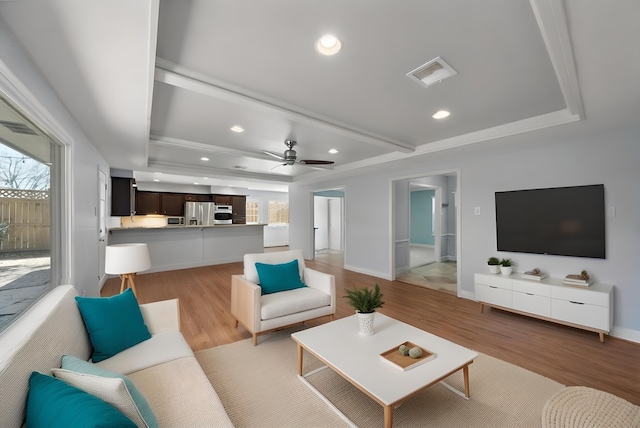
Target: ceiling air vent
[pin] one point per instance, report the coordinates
(17, 128)
(435, 71)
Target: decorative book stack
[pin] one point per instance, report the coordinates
(576, 280)
(533, 274)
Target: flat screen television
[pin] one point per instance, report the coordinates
(565, 221)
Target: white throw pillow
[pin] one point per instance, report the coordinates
(113, 390)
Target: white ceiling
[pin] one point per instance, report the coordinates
(157, 85)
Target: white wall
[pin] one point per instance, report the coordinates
(20, 79)
(546, 158)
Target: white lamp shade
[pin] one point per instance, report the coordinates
(126, 258)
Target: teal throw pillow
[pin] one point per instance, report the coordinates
(114, 323)
(52, 403)
(279, 277)
(80, 366)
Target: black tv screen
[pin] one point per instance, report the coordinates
(565, 221)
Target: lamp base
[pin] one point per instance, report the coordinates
(128, 277)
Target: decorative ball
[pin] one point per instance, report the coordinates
(415, 352)
(404, 350)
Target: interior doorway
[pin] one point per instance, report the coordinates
(328, 226)
(426, 222)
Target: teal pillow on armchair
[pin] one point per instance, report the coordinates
(114, 323)
(279, 277)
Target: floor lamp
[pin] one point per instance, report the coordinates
(126, 260)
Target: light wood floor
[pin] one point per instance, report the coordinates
(567, 355)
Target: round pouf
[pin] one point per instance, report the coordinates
(582, 407)
(366, 323)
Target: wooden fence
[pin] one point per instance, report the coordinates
(27, 212)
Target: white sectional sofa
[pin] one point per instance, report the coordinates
(163, 368)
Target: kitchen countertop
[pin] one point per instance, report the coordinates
(178, 226)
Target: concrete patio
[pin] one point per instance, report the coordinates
(24, 277)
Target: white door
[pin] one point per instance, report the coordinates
(335, 224)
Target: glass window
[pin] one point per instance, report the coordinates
(278, 212)
(26, 226)
(252, 212)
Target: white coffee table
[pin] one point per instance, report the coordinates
(357, 359)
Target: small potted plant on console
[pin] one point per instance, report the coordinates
(365, 302)
(506, 266)
(494, 265)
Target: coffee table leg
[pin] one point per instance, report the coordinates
(300, 353)
(388, 416)
(465, 371)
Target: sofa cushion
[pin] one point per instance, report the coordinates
(162, 347)
(52, 403)
(292, 301)
(279, 277)
(181, 395)
(112, 390)
(114, 323)
(72, 370)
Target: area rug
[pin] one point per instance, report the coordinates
(259, 387)
(436, 276)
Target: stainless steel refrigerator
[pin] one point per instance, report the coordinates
(199, 213)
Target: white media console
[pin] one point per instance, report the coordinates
(589, 308)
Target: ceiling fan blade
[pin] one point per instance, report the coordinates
(316, 162)
(275, 155)
(280, 164)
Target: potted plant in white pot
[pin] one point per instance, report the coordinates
(365, 302)
(494, 265)
(506, 266)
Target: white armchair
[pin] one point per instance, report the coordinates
(262, 313)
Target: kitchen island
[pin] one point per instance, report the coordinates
(182, 247)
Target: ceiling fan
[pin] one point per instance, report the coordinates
(290, 156)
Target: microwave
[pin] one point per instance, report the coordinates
(175, 221)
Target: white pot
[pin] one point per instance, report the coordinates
(506, 270)
(366, 323)
(494, 268)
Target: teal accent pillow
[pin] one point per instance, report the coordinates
(80, 366)
(280, 277)
(114, 323)
(52, 403)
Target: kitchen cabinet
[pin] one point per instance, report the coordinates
(198, 198)
(239, 209)
(147, 203)
(122, 196)
(222, 199)
(160, 203)
(172, 204)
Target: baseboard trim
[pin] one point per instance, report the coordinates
(369, 272)
(625, 334)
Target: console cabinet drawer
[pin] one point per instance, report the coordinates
(581, 295)
(531, 303)
(531, 287)
(495, 280)
(581, 314)
(494, 295)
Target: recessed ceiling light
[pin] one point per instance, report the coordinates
(156, 180)
(196, 183)
(333, 151)
(441, 114)
(328, 45)
(204, 159)
(236, 128)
